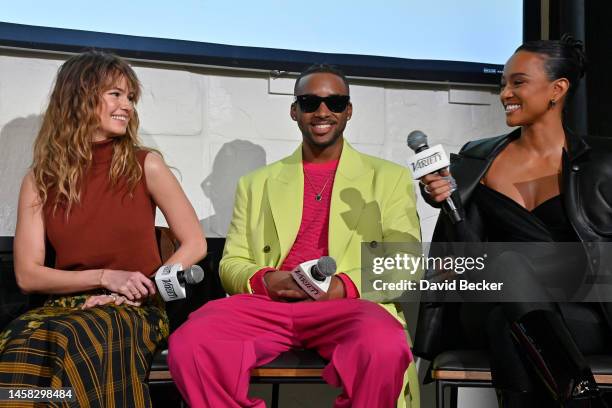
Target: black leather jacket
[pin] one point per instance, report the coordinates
(587, 188)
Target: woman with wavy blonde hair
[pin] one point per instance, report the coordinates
(63, 149)
(92, 193)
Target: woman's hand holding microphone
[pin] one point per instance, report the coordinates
(439, 186)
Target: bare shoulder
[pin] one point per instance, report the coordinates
(155, 169)
(158, 177)
(29, 192)
(28, 179)
(154, 163)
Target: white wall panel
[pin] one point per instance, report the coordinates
(25, 85)
(193, 116)
(24, 90)
(215, 126)
(171, 103)
(368, 124)
(242, 108)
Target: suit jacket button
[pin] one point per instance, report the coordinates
(266, 249)
(575, 167)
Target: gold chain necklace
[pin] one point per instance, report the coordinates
(318, 196)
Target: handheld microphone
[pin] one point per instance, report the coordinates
(314, 277)
(171, 280)
(428, 160)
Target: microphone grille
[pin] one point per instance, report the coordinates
(416, 139)
(195, 274)
(326, 265)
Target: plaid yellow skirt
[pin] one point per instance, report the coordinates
(103, 353)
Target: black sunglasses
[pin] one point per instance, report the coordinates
(310, 103)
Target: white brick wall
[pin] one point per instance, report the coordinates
(215, 125)
(190, 114)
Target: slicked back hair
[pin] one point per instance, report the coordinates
(563, 58)
(321, 69)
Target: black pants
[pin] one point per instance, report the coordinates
(487, 325)
(510, 367)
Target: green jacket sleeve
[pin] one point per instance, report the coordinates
(238, 265)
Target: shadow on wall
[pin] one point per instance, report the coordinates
(234, 160)
(16, 145)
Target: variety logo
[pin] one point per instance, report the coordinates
(169, 288)
(307, 285)
(426, 161)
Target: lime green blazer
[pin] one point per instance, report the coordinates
(372, 200)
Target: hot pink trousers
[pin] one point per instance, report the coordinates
(212, 354)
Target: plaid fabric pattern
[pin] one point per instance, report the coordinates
(103, 353)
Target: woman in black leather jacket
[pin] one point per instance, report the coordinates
(538, 183)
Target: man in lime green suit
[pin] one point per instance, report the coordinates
(324, 199)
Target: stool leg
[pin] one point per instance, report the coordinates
(275, 395)
(453, 396)
(440, 394)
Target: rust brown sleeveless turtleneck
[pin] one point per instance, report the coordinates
(110, 228)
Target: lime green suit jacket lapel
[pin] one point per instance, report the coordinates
(351, 191)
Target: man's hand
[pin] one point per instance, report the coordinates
(282, 287)
(335, 291)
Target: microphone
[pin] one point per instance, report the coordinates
(428, 160)
(314, 277)
(172, 279)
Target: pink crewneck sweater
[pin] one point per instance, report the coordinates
(312, 238)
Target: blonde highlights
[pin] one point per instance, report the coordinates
(63, 148)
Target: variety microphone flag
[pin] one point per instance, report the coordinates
(428, 160)
(172, 279)
(314, 276)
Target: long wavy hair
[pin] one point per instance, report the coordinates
(63, 148)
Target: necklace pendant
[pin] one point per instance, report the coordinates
(318, 197)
